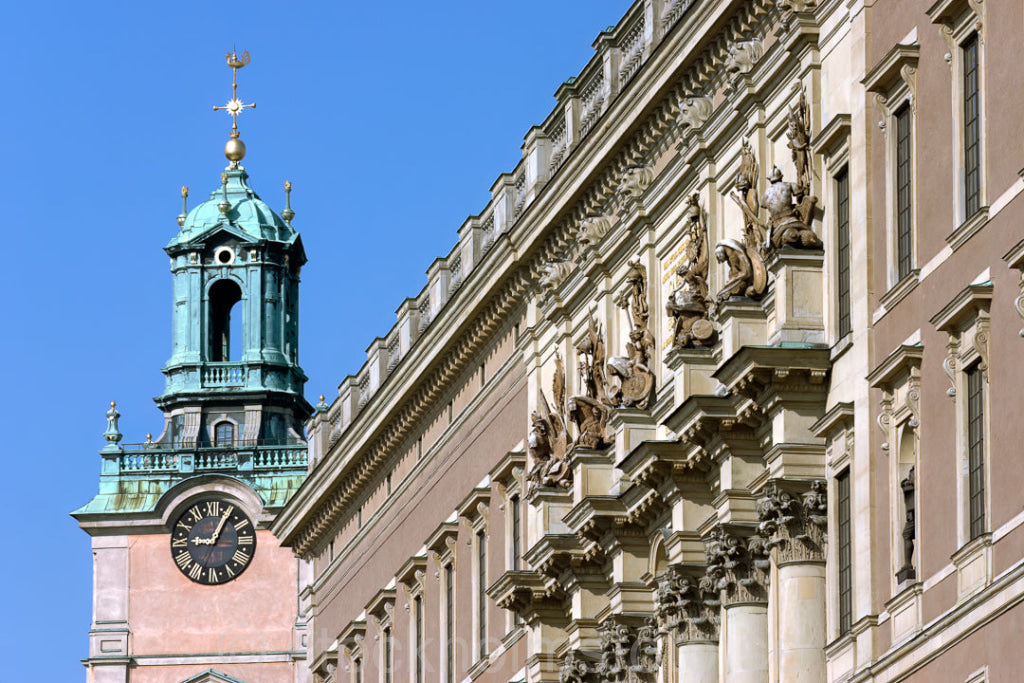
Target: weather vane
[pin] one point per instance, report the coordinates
(234, 107)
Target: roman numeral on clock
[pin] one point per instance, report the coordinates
(183, 560)
(240, 557)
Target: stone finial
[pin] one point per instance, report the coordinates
(288, 214)
(184, 207)
(113, 434)
(224, 205)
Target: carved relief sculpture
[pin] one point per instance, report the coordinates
(589, 411)
(743, 55)
(554, 273)
(631, 381)
(688, 304)
(548, 439)
(635, 180)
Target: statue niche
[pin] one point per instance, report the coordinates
(689, 303)
(549, 437)
(630, 379)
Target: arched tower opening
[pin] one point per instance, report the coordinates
(225, 328)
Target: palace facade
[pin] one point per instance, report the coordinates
(719, 386)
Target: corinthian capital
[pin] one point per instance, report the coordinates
(737, 566)
(689, 604)
(793, 521)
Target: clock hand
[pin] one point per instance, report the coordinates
(220, 527)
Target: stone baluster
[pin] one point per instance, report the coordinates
(793, 522)
(737, 570)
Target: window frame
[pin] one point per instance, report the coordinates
(844, 607)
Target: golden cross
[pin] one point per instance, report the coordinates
(235, 106)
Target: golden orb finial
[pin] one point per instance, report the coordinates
(234, 150)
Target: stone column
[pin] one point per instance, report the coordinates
(689, 609)
(794, 526)
(737, 569)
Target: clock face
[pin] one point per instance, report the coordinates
(213, 542)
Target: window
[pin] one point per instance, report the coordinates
(904, 193)
(845, 548)
(449, 623)
(358, 671)
(224, 435)
(388, 655)
(971, 127)
(842, 181)
(481, 616)
(976, 449)
(225, 337)
(418, 616)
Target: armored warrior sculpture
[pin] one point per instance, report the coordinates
(689, 303)
(754, 232)
(548, 438)
(787, 222)
(631, 380)
(589, 411)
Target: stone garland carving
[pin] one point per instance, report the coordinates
(737, 567)
(589, 410)
(907, 572)
(549, 437)
(630, 378)
(794, 526)
(689, 303)
(688, 606)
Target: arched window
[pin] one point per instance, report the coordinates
(224, 294)
(224, 434)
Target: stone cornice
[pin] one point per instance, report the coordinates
(963, 307)
(902, 359)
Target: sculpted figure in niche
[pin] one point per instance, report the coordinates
(689, 303)
(548, 439)
(631, 380)
(589, 411)
(747, 273)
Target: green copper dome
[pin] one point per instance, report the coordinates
(247, 212)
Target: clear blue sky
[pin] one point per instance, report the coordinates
(391, 119)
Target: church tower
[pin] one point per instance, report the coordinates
(189, 585)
